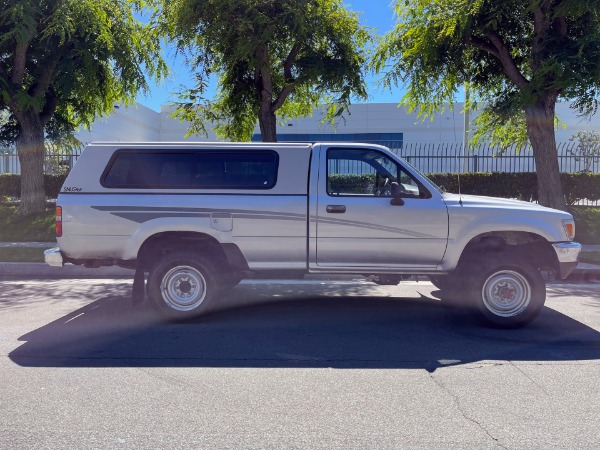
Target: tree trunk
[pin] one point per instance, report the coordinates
(31, 151)
(268, 123)
(540, 130)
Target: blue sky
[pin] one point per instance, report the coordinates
(376, 14)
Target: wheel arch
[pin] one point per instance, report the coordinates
(525, 246)
(225, 256)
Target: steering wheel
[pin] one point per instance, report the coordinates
(382, 189)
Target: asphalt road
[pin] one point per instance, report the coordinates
(302, 365)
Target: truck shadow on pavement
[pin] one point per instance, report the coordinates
(301, 325)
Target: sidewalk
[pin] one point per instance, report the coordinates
(42, 270)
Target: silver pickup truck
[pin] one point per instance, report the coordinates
(198, 218)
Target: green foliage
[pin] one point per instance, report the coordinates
(17, 228)
(587, 225)
(53, 184)
(518, 58)
(500, 129)
(70, 60)
(588, 147)
(510, 60)
(521, 185)
(17, 254)
(579, 186)
(65, 62)
(270, 56)
(10, 185)
(352, 183)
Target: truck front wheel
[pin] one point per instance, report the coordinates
(182, 285)
(507, 292)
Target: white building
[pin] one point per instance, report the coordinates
(431, 145)
(138, 123)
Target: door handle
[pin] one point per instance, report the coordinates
(336, 209)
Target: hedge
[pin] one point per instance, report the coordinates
(523, 185)
(10, 185)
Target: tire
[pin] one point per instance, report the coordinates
(508, 292)
(228, 282)
(182, 285)
(443, 283)
(453, 289)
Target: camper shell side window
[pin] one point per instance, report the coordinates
(196, 169)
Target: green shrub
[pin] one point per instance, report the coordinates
(522, 185)
(587, 224)
(53, 183)
(10, 185)
(359, 184)
(579, 186)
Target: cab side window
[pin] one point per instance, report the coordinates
(358, 172)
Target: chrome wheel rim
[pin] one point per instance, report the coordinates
(506, 293)
(183, 288)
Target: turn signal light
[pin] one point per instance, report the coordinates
(58, 221)
(569, 229)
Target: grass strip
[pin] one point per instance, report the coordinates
(15, 228)
(21, 254)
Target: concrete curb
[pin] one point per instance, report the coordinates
(43, 270)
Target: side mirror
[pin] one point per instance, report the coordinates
(396, 194)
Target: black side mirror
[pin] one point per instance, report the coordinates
(396, 194)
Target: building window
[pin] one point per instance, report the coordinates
(391, 140)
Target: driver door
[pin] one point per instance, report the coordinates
(357, 226)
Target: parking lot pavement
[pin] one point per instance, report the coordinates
(312, 364)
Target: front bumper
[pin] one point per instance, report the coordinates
(568, 256)
(53, 257)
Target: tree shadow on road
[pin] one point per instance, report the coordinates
(338, 325)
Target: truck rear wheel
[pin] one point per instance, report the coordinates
(182, 285)
(507, 292)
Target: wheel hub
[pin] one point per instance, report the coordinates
(506, 293)
(183, 288)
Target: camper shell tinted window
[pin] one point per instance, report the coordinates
(199, 169)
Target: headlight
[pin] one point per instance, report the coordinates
(569, 226)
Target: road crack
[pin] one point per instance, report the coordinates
(535, 383)
(463, 412)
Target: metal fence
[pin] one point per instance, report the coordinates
(452, 158)
(427, 157)
(54, 162)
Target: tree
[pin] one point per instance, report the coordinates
(63, 63)
(519, 58)
(588, 148)
(272, 58)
